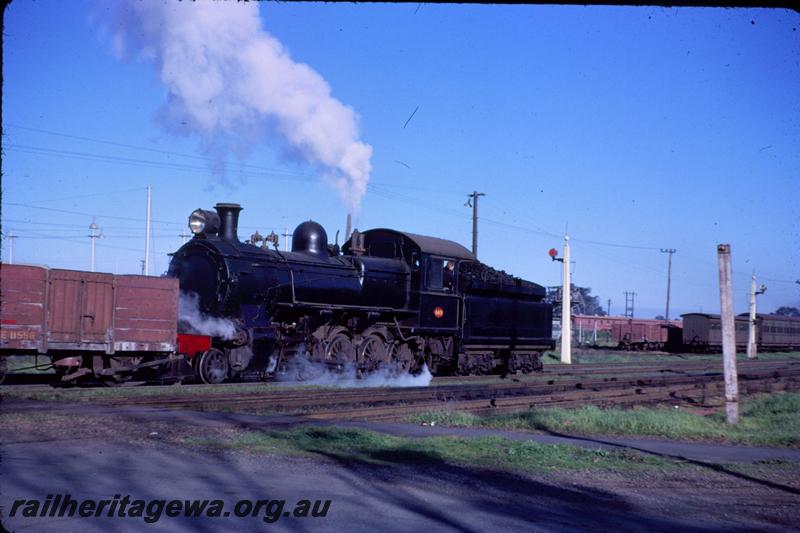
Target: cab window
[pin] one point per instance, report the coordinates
(383, 249)
(441, 274)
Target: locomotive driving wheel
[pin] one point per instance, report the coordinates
(401, 358)
(340, 349)
(373, 352)
(212, 367)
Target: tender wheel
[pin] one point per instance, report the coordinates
(212, 367)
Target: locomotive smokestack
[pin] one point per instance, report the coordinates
(229, 221)
(348, 227)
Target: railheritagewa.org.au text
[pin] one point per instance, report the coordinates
(153, 510)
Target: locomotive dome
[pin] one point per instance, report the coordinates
(310, 237)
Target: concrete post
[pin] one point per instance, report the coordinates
(728, 333)
(566, 313)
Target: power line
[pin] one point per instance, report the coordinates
(147, 149)
(56, 210)
(618, 245)
(144, 163)
(109, 193)
(282, 174)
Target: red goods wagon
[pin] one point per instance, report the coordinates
(623, 332)
(88, 322)
(51, 310)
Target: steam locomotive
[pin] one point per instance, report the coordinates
(386, 298)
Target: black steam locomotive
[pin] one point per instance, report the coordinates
(385, 299)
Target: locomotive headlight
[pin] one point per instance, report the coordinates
(202, 221)
(197, 222)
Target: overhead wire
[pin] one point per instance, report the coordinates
(377, 188)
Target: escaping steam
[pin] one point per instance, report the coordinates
(192, 320)
(302, 370)
(230, 82)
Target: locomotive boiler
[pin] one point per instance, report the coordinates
(385, 299)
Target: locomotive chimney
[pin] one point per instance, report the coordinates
(229, 221)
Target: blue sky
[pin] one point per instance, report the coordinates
(638, 128)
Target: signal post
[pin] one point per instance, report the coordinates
(751, 340)
(566, 303)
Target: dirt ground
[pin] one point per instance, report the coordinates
(96, 455)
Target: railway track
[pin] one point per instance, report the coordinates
(698, 384)
(22, 382)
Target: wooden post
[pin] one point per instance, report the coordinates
(728, 333)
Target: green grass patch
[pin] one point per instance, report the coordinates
(590, 356)
(768, 420)
(77, 394)
(362, 446)
(610, 355)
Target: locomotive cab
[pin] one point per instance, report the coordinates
(434, 265)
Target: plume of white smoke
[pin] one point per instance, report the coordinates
(199, 323)
(229, 81)
(302, 370)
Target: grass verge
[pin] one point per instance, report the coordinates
(770, 420)
(358, 445)
(594, 356)
(78, 394)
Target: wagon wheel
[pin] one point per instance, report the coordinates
(340, 349)
(119, 365)
(212, 367)
(373, 352)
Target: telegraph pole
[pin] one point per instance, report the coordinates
(94, 236)
(728, 333)
(147, 236)
(751, 338)
(473, 202)
(669, 251)
(608, 309)
(11, 238)
(629, 304)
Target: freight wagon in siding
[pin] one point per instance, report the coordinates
(702, 332)
(626, 333)
(87, 322)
